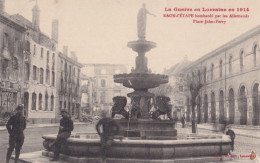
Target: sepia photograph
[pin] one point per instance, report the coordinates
(129, 81)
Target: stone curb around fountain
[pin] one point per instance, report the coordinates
(169, 149)
(124, 160)
(45, 156)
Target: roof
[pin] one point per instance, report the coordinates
(70, 60)
(175, 69)
(228, 45)
(10, 21)
(22, 20)
(40, 38)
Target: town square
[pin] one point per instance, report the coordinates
(129, 81)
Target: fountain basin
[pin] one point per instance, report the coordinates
(146, 149)
(141, 81)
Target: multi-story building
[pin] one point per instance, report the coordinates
(11, 59)
(68, 82)
(103, 88)
(230, 79)
(39, 69)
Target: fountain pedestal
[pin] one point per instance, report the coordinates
(148, 129)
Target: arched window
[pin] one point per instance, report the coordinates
(41, 75)
(52, 102)
(34, 101)
(220, 68)
(34, 49)
(27, 72)
(199, 75)
(27, 48)
(254, 54)
(47, 80)
(53, 79)
(40, 101)
(48, 56)
(205, 74)
(230, 64)
(42, 51)
(34, 73)
(241, 60)
(212, 71)
(46, 101)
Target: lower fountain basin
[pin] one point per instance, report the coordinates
(191, 146)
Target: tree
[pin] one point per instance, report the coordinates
(194, 88)
(193, 85)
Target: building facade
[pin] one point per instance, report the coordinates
(68, 82)
(11, 61)
(101, 86)
(230, 82)
(40, 70)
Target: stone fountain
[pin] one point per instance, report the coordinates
(141, 79)
(145, 139)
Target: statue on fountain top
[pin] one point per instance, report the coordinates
(141, 22)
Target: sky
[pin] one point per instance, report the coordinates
(99, 30)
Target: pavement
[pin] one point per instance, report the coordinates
(242, 130)
(3, 128)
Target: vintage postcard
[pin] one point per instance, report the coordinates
(129, 80)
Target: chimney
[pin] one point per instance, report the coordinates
(36, 17)
(2, 5)
(65, 50)
(55, 30)
(73, 56)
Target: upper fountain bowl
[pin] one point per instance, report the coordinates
(141, 81)
(141, 46)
